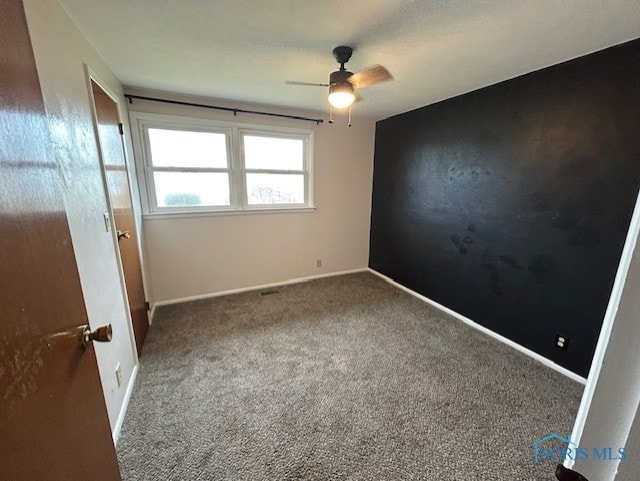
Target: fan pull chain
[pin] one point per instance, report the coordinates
(330, 113)
(349, 124)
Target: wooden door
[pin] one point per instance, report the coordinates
(53, 420)
(117, 180)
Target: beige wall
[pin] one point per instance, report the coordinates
(195, 256)
(61, 53)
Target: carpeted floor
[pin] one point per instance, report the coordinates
(345, 378)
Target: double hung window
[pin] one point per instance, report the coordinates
(200, 166)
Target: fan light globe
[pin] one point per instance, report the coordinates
(341, 95)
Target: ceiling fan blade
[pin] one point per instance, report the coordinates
(358, 97)
(293, 82)
(370, 76)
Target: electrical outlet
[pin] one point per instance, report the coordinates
(562, 342)
(118, 375)
(318, 262)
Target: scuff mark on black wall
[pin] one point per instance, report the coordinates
(510, 204)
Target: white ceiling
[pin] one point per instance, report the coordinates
(245, 49)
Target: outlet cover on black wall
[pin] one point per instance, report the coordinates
(562, 342)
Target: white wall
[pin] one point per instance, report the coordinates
(628, 471)
(193, 256)
(61, 52)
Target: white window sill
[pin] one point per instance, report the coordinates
(215, 213)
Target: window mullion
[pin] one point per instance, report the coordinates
(237, 175)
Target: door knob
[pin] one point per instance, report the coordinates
(101, 334)
(126, 234)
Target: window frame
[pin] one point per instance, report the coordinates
(234, 133)
(242, 132)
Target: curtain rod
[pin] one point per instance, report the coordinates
(227, 109)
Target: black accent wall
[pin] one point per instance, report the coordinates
(511, 204)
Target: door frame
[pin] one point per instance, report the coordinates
(92, 76)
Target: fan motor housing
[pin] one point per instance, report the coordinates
(342, 54)
(339, 76)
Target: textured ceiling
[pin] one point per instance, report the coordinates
(245, 50)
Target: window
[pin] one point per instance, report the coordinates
(188, 168)
(198, 166)
(274, 169)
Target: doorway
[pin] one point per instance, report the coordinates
(109, 133)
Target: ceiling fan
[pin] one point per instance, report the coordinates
(344, 85)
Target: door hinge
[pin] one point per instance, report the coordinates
(121, 128)
(146, 304)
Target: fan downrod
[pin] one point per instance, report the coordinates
(342, 54)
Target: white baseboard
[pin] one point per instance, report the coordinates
(489, 332)
(255, 288)
(125, 404)
(152, 313)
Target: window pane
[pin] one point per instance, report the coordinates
(275, 189)
(181, 148)
(185, 189)
(273, 153)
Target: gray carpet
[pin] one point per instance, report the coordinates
(345, 378)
